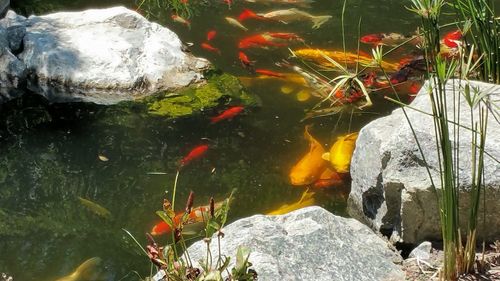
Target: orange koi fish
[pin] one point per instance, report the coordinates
(244, 60)
(248, 14)
(182, 20)
(227, 114)
(198, 214)
(195, 153)
(210, 48)
(269, 73)
(328, 178)
(211, 35)
(258, 41)
(310, 166)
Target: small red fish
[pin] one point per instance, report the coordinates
(182, 20)
(452, 39)
(211, 35)
(248, 14)
(184, 1)
(227, 114)
(269, 73)
(257, 41)
(415, 88)
(195, 153)
(375, 39)
(210, 48)
(244, 60)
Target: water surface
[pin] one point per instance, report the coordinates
(50, 154)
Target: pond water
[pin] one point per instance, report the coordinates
(50, 154)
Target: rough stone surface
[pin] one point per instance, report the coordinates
(12, 70)
(102, 56)
(4, 5)
(16, 30)
(391, 190)
(422, 251)
(308, 244)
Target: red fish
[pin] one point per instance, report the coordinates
(211, 35)
(184, 1)
(257, 41)
(248, 14)
(227, 114)
(451, 39)
(197, 215)
(210, 48)
(374, 39)
(285, 36)
(182, 20)
(229, 3)
(195, 153)
(269, 73)
(414, 88)
(244, 60)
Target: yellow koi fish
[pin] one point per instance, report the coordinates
(85, 271)
(316, 55)
(341, 153)
(95, 208)
(306, 200)
(291, 77)
(310, 167)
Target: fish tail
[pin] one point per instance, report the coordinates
(87, 269)
(214, 120)
(319, 20)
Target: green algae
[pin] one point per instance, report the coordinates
(220, 89)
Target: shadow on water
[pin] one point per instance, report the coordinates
(50, 154)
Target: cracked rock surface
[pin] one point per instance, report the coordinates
(307, 244)
(391, 191)
(102, 56)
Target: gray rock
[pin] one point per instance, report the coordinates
(104, 56)
(422, 251)
(16, 29)
(12, 71)
(308, 244)
(4, 6)
(391, 190)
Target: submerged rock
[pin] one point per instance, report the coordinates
(391, 190)
(307, 244)
(4, 5)
(12, 71)
(102, 56)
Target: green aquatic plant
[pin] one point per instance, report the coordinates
(155, 8)
(169, 263)
(457, 258)
(484, 34)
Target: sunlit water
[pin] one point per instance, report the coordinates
(44, 230)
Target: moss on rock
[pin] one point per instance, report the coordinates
(219, 89)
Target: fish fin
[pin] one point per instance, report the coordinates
(319, 20)
(87, 270)
(326, 156)
(306, 195)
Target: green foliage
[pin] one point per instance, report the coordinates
(171, 266)
(484, 33)
(457, 259)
